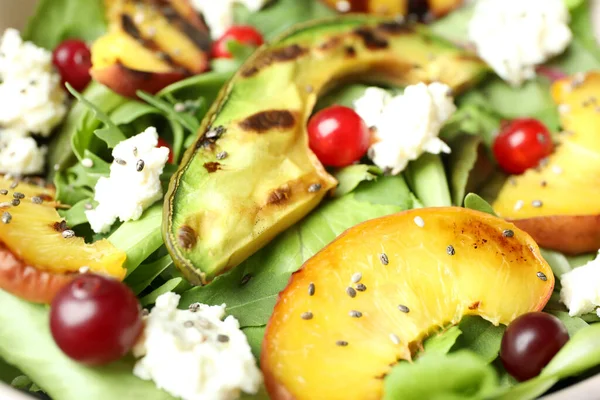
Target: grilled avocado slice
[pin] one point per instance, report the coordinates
(250, 174)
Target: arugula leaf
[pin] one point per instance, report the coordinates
(185, 119)
(171, 285)
(581, 353)
(442, 342)
(343, 96)
(480, 337)
(111, 134)
(279, 16)
(426, 177)
(67, 193)
(461, 162)
(57, 20)
(557, 261)
(139, 239)
(76, 214)
(474, 202)
(8, 372)
(26, 342)
(252, 301)
(461, 375)
(573, 324)
(129, 111)
(145, 274)
(207, 85)
(474, 116)
(582, 259)
(454, 26)
(350, 177)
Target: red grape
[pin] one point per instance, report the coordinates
(95, 319)
(73, 60)
(243, 34)
(338, 136)
(530, 342)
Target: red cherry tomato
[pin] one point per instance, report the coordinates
(244, 34)
(73, 60)
(530, 342)
(338, 136)
(95, 319)
(522, 144)
(163, 143)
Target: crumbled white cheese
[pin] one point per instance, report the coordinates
(219, 14)
(31, 93)
(194, 354)
(20, 154)
(514, 36)
(408, 124)
(581, 288)
(134, 182)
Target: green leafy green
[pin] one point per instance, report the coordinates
(185, 119)
(131, 110)
(145, 274)
(474, 202)
(26, 342)
(280, 15)
(350, 177)
(557, 261)
(573, 324)
(454, 27)
(462, 160)
(169, 286)
(139, 239)
(344, 96)
(76, 214)
(461, 375)
(480, 337)
(582, 259)
(8, 372)
(474, 116)
(57, 20)
(111, 134)
(251, 301)
(580, 353)
(426, 177)
(441, 343)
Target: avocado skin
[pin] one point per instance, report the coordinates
(250, 174)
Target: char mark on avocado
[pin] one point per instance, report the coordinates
(265, 121)
(279, 195)
(186, 237)
(371, 38)
(212, 167)
(284, 54)
(330, 43)
(419, 9)
(395, 28)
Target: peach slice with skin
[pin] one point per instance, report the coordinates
(373, 295)
(437, 8)
(38, 253)
(557, 202)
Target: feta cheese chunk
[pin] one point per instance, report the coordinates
(407, 125)
(20, 154)
(32, 96)
(194, 354)
(219, 14)
(134, 182)
(514, 36)
(581, 288)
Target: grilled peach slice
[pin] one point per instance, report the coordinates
(369, 298)
(149, 45)
(437, 8)
(557, 202)
(38, 253)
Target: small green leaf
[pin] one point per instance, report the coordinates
(186, 120)
(427, 179)
(169, 286)
(480, 337)
(557, 261)
(580, 260)
(529, 390)
(441, 343)
(573, 324)
(76, 214)
(343, 96)
(474, 202)
(139, 238)
(581, 353)
(255, 335)
(350, 177)
(462, 160)
(145, 274)
(130, 111)
(111, 134)
(461, 375)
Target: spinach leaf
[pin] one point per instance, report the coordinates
(26, 342)
(343, 96)
(350, 177)
(557, 261)
(474, 202)
(580, 353)
(280, 15)
(111, 134)
(139, 238)
(145, 274)
(250, 290)
(454, 27)
(461, 375)
(480, 336)
(461, 162)
(582, 259)
(76, 214)
(441, 343)
(426, 177)
(8, 372)
(57, 20)
(176, 285)
(573, 324)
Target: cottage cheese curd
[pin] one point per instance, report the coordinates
(513, 36)
(219, 14)
(194, 354)
(20, 154)
(134, 182)
(33, 99)
(581, 289)
(406, 125)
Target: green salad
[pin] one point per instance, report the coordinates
(263, 174)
